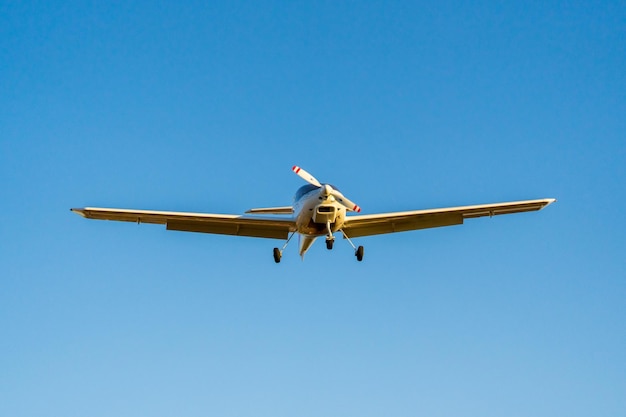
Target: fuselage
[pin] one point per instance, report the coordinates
(315, 211)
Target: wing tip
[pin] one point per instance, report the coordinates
(79, 211)
(549, 201)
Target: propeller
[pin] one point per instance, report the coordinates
(306, 176)
(328, 190)
(345, 201)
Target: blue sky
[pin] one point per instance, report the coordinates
(403, 105)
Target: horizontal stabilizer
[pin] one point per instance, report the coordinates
(271, 210)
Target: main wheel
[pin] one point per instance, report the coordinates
(329, 244)
(359, 254)
(277, 255)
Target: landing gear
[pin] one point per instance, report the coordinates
(277, 255)
(359, 254)
(330, 239)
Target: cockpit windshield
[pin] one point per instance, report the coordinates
(305, 189)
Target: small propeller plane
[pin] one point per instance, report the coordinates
(319, 209)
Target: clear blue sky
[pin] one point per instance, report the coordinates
(205, 106)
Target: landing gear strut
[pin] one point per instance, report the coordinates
(330, 239)
(278, 253)
(358, 252)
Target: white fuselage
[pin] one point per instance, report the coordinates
(315, 210)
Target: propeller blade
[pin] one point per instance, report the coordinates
(345, 202)
(306, 176)
(327, 189)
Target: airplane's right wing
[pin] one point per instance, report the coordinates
(375, 224)
(223, 224)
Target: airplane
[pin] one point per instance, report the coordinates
(319, 209)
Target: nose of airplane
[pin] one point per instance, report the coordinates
(327, 190)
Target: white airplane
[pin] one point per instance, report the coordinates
(318, 210)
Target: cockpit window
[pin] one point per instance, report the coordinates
(304, 190)
(307, 189)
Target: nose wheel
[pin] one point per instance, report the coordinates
(330, 239)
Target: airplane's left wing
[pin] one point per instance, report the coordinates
(223, 224)
(376, 224)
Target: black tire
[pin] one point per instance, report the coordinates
(329, 244)
(359, 254)
(277, 255)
